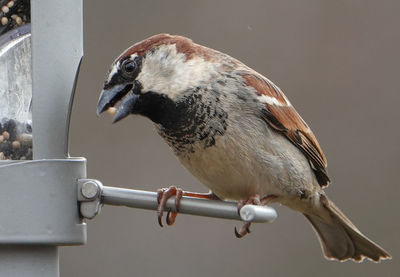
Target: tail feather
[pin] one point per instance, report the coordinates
(340, 239)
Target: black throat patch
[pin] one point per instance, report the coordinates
(193, 120)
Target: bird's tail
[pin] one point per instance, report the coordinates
(340, 239)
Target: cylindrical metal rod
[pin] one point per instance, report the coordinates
(188, 205)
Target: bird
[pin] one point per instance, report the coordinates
(235, 131)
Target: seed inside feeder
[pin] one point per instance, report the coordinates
(25, 138)
(4, 21)
(15, 140)
(16, 144)
(5, 9)
(18, 20)
(6, 135)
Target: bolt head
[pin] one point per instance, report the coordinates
(90, 190)
(248, 213)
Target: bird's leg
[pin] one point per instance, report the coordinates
(164, 194)
(253, 200)
(267, 199)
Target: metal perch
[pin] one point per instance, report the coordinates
(92, 194)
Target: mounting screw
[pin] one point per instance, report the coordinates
(255, 213)
(90, 190)
(248, 213)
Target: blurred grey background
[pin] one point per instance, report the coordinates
(337, 61)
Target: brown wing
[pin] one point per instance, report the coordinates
(281, 116)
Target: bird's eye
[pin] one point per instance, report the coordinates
(129, 66)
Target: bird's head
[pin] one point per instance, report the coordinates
(153, 74)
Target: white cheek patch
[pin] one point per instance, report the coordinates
(167, 71)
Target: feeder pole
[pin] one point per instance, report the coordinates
(38, 199)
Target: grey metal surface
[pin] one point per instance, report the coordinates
(32, 261)
(57, 52)
(38, 202)
(189, 205)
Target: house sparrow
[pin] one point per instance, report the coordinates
(235, 131)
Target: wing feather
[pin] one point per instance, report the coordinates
(282, 116)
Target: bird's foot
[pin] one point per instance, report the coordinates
(253, 200)
(164, 194)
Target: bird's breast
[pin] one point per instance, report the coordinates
(248, 159)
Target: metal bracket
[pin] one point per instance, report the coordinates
(38, 203)
(89, 196)
(92, 195)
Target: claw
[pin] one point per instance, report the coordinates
(237, 234)
(248, 228)
(254, 200)
(171, 216)
(159, 218)
(162, 197)
(244, 230)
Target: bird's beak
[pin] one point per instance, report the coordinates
(122, 97)
(126, 107)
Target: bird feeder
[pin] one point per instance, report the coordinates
(38, 200)
(45, 194)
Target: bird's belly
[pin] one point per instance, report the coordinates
(238, 167)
